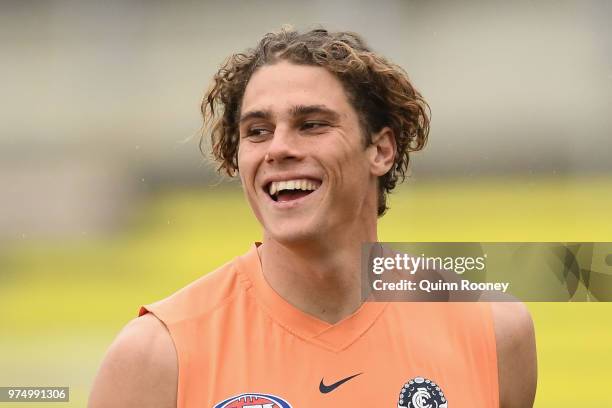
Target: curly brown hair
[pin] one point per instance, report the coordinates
(378, 90)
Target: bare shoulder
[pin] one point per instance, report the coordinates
(516, 354)
(140, 368)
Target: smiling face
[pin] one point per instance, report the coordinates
(302, 160)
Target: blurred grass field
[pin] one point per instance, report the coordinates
(62, 302)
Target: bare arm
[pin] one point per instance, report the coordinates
(516, 354)
(140, 368)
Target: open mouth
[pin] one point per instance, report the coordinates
(289, 190)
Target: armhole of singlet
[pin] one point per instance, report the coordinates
(149, 310)
(488, 307)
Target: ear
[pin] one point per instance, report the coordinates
(381, 153)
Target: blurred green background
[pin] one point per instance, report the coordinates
(63, 302)
(106, 203)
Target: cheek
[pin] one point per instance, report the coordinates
(245, 162)
(339, 156)
(249, 159)
(348, 175)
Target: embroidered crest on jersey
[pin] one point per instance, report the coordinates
(253, 401)
(421, 393)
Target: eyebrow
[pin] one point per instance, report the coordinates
(296, 111)
(303, 110)
(258, 114)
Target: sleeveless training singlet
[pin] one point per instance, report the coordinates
(239, 344)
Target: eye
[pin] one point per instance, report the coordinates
(257, 133)
(312, 125)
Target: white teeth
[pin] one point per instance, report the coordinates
(273, 188)
(298, 184)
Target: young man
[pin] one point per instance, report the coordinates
(319, 129)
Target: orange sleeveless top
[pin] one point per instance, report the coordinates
(240, 345)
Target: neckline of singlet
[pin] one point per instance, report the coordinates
(334, 337)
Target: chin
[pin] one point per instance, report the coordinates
(291, 235)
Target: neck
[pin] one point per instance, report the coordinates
(322, 277)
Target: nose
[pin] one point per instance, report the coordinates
(283, 146)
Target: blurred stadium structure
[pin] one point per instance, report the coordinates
(101, 99)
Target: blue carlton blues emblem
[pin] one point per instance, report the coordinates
(421, 393)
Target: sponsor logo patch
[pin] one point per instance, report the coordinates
(253, 401)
